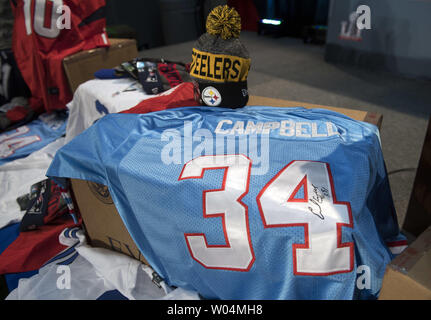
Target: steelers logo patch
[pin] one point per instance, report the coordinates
(211, 96)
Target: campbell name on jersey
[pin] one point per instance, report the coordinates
(286, 128)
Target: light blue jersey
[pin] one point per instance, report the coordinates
(24, 140)
(252, 203)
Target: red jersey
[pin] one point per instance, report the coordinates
(45, 32)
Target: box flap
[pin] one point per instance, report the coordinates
(408, 276)
(80, 67)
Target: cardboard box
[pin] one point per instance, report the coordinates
(103, 224)
(408, 276)
(370, 117)
(80, 67)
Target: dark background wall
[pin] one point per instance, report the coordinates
(399, 39)
(160, 22)
(165, 22)
(141, 16)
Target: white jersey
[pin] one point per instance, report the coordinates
(17, 177)
(82, 272)
(95, 98)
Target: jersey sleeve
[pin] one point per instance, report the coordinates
(381, 204)
(180, 96)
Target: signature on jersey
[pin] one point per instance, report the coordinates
(319, 194)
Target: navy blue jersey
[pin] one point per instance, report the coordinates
(253, 203)
(24, 140)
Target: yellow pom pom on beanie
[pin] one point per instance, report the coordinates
(224, 22)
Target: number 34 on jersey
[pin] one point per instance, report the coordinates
(302, 194)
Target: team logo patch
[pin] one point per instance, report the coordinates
(211, 96)
(101, 192)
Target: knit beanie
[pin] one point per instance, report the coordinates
(220, 61)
